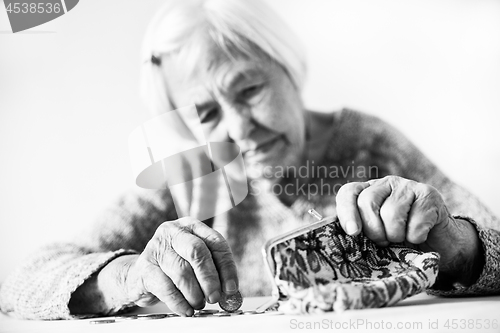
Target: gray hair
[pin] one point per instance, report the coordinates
(237, 27)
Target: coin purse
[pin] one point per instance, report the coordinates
(319, 268)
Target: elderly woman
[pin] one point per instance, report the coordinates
(243, 69)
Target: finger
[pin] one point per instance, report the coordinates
(221, 255)
(347, 207)
(369, 202)
(160, 252)
(160, 285)
(184, 278)
(394, 212)
(424, 214)
(194, 250)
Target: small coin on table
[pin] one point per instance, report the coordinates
(102, 321)
(152, 316)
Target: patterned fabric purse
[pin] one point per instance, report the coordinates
(319, 268)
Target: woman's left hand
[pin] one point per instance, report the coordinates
(393, 209)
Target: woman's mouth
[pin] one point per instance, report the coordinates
(266, 146)
(266, 150)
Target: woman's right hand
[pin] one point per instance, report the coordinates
(185, 264)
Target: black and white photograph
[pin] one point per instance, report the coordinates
(249, 165)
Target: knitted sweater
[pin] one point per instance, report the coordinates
(360, 147)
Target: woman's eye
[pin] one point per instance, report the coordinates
(208, 115)
(251, 91)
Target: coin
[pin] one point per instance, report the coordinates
(222, 314)
(102, 321)
(228, 314)
(152, 316)
(231, 303)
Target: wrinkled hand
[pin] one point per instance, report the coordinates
(185, 264)
(394, 209)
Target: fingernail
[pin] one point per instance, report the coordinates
(230, 287)
(214, 297)
(352, 228)
(189, 312)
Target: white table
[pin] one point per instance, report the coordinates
(420, 313)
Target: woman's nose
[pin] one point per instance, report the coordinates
(238, 121)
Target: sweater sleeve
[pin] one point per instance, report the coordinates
(396, 155)
(488, 282)
(42, 286)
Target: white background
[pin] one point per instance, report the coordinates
(69, 97)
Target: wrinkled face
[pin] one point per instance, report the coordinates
(253, 103)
